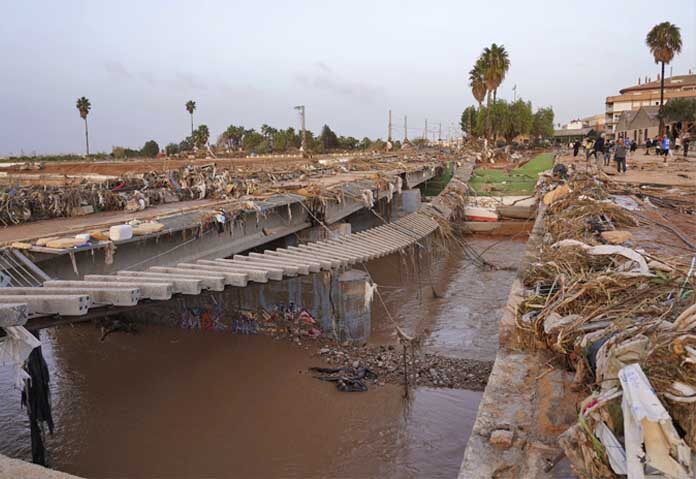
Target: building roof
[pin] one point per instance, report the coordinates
(676, 81)
(571, 132)
(631, 120)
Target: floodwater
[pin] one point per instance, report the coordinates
(177, 403)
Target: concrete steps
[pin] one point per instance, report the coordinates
(127, 288)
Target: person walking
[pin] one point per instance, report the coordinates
(599, 147)
(620, 156)
(685, 143)
(576, 147)
(665, 147)
(648, 144)
(608, 148)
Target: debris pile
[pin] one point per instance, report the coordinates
(138, 191)
(625, 321)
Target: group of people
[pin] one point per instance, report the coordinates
(663, 143)
(624, 148)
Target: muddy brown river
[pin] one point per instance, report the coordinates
(177, 403)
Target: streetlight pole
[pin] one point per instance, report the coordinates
(303, 146)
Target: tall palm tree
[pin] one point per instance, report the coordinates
(190, 107)
(84, 106)
(496, 63)
(664, 41)
(478, 83)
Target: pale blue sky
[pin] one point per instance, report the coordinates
(250, 62)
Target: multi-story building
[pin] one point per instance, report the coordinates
(647, 94)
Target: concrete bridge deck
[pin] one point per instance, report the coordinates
(125, 289)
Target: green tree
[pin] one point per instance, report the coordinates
(664, 41)
(84, 106)
(171, 149)
(680, 109)
(520, 121)
(251, 140)
(348, 142)
(328, 138)
(542, 126)
(468, 121)
(232, 136)
(280, 141)
(150, 149)
(191, 107)
(186, 144)
(200, 136)
(365, 143)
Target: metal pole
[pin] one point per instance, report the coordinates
(389, 128)
(303, 147)
(405, 128)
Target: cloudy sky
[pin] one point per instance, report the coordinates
(249, 62)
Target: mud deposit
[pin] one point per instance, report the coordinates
(175, 403)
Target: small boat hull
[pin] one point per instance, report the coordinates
(480, 214)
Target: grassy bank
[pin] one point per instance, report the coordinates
(519, 181)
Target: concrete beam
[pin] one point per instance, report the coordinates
(13, 314)
(255, 275)
(232, 278)
(218, 279)
(323, 264)
(181, 285)
(312, 266)
(288, 270)
(116, 296)
(213, 283)
(273, 272)
(335, 260)
(65, 305)
(159, 291)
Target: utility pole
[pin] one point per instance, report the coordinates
(439, 132)
(405, 128)
(389, 129)
(514, 91)
(425, 132)
(303, 147)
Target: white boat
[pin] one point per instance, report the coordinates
(479, 213)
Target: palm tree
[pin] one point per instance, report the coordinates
(664, 41)
(84, 106)
(496, 64)
(190, 107)
(478, 83)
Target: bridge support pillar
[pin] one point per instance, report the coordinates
(353, 300)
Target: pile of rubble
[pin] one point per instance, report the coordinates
(625, 321)
(134, 192)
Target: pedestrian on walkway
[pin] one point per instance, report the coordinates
(576, 147)
(686, 142)
(665, 147)
(607, 152)
(620, 157)
(648, 144)
(598, 147)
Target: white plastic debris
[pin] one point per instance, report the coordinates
(370, 289)
(650, 436)
(120, 232)
(368, 198)
(615, 451)
(606, 249)
(15, 349)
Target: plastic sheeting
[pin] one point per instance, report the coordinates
(15, 349)
(650, 436)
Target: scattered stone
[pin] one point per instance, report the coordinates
(502, 438)
(616, 237)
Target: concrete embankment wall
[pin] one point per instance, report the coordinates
(525, 405)
(17, 469)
